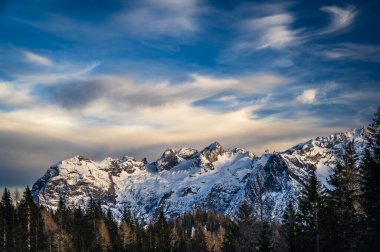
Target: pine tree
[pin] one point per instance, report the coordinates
(128, 232)
(373, 136)
(290, 227)
(309, 219)
(80, 230)
(328, 227)
(113, 230)
(7, 221)
(30, 224)
(229, 239)
(63, 215)
(370, 186)
(198, 239)
(94, 218)
(265, 239)
(245, 219)
(246, 236)
(244, 214)
(140, 237)
(161, 234)
(343, 196)
(2, 230)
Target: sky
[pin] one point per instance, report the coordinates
(133, 78)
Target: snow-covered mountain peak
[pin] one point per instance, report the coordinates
(186, 153)
(215, 146)
(171, 158)
(322, 153)
(184, 179)
(243, 151)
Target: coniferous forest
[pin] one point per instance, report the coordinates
(342, 217)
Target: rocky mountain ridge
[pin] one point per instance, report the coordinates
(185, 179)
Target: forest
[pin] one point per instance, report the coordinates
(344, 216)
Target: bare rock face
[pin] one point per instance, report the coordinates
(183, 180)
(209, 155)
(170, 158)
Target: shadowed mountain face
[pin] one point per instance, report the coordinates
(182, 180)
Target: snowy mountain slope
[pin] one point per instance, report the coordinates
(321, 153)
(185, 179)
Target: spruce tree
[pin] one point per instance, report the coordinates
(265, 238)
(2, 230)
(7, 221)
(140, 237)
(373, 136)
(328, 226)
(62, 215)
(246, 236)
(30, 224)
(198, 239)
(244, 214)
(95, 216)
(290, 227)
(229, 239)
(127, 231)
(80, 230)
(343, 196)
(161, 234)
(113, 230)
(309, 216)
(370, 186)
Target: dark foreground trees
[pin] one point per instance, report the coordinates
(343, 215)
(7, 212)
(27, 227)
(370, 187)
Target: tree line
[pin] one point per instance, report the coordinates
(343, 215)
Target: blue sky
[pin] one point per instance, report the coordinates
(115, 78)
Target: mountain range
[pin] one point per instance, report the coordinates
(182, 180)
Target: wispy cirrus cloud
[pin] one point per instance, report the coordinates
(271, 31)
(172, 18)
(55, 75)
(137, 19)
(350, 51)
(276, 29)
(37, 59)
(341, 18)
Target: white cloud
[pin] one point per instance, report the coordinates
(275, 31)
(130, 118)
(268, 21)
(349, 51)
(173, 18)
(37, 59)
(278, 37)
(14, 96)
(271, 31)
(283, 62)
(127, 94)
(55, 76)
(309, 96)
(177, 124)
(131, 115)
(144, 18)
(341, 18)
